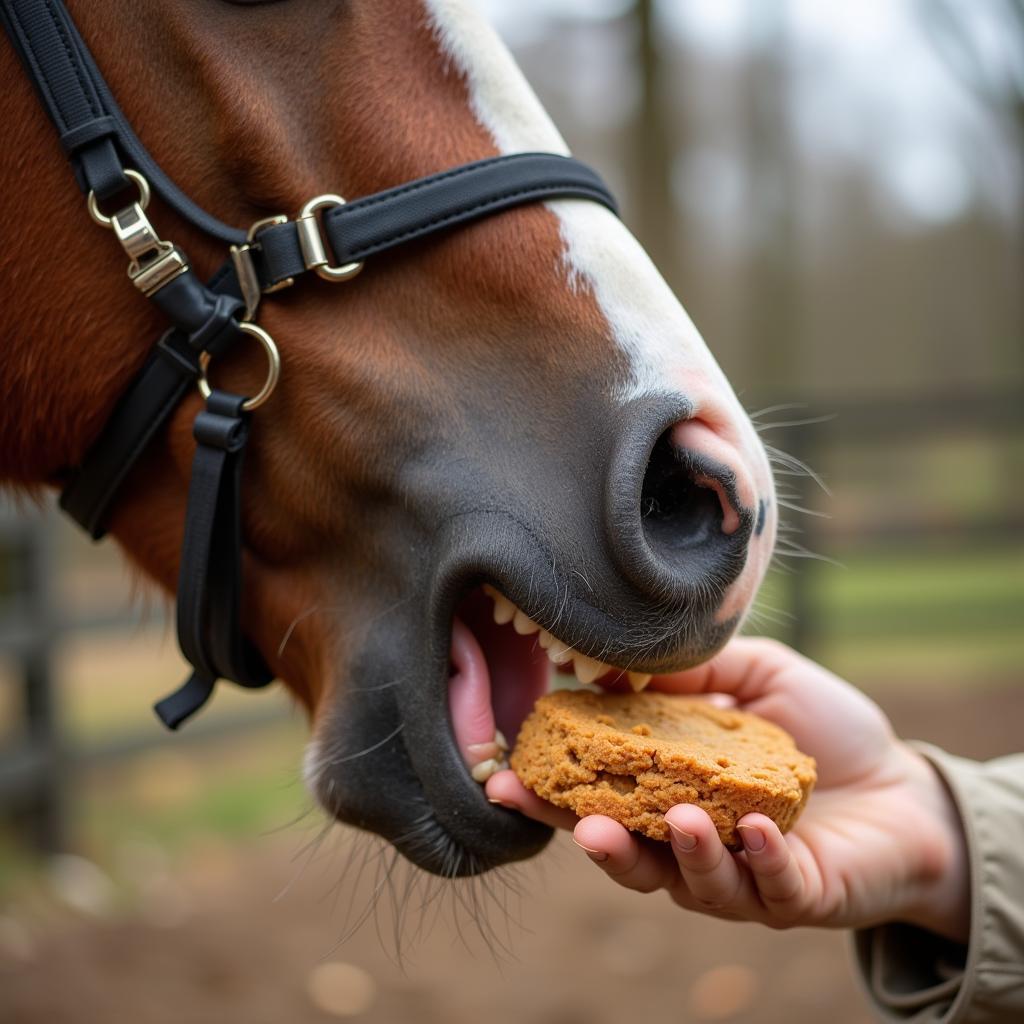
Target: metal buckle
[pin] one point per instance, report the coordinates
(311, 242)
(153, 262)
(245, 269)
(273, 367)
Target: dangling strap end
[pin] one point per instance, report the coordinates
(178, 707)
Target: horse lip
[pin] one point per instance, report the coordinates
(489, 835)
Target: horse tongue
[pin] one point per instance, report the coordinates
(469, 698)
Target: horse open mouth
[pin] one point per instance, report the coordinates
(501, 662)
(510, 595)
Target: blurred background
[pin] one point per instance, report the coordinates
(834, 190)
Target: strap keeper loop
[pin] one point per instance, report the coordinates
(83, 134)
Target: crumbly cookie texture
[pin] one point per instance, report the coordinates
(633, 756)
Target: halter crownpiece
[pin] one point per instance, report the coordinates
(208, 318)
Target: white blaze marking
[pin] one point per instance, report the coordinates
(665, 352)
(648, 323)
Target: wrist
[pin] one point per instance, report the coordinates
(940, 885)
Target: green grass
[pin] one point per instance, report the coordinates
(238, 790)
(911, 615)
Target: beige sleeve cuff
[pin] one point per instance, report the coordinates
(914, 975)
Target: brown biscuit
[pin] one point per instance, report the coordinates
(633, 756)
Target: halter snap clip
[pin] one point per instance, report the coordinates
(153, 262)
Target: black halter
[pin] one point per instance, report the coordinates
(207, 318)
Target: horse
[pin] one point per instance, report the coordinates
(497, 448)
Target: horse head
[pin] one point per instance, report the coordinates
(497, 448)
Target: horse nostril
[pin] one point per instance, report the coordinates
(677, 512)
(688, 514)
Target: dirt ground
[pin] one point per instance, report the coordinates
(245, 935)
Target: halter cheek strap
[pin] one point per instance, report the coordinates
(329, 237)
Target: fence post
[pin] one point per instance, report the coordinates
(42, 808)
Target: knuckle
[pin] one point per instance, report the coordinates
(771, 867)
(647, 885)
(705, 863)
(638, 881)
(711, 903)
(786, 911)
(719, 899)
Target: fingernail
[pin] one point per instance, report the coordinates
(753, 838)
(502, 803)
(684, 840)
(595, 855)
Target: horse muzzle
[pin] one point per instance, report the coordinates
(611, 570)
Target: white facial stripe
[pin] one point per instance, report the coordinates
(663, 348)
(662, 345)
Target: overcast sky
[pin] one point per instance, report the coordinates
(867, 85)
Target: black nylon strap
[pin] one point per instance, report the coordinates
(362, 228)
(138, 416)
(53, 54)
(205, 321)
(376, 223)
(93, 130)
(210, 576)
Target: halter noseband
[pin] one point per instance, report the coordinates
(208, 318)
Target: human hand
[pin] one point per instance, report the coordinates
(880, 839)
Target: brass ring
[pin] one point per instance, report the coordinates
(102, 219)
(324, 270)
(273, 367)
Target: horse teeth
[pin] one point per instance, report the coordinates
(639, 680)
(558, 651)
(504, 609)
(485, 769)
(500, 742)
(523, 624)
(587, 669)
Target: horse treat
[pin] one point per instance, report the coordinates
(633, 756)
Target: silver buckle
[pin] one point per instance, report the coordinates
(310, 241)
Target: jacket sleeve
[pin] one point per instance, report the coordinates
(914, 975)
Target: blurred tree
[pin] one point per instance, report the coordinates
(652, 189)
(998, 81)
(771, 331)
(953, 26)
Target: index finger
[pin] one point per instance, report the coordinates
(504, 788)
